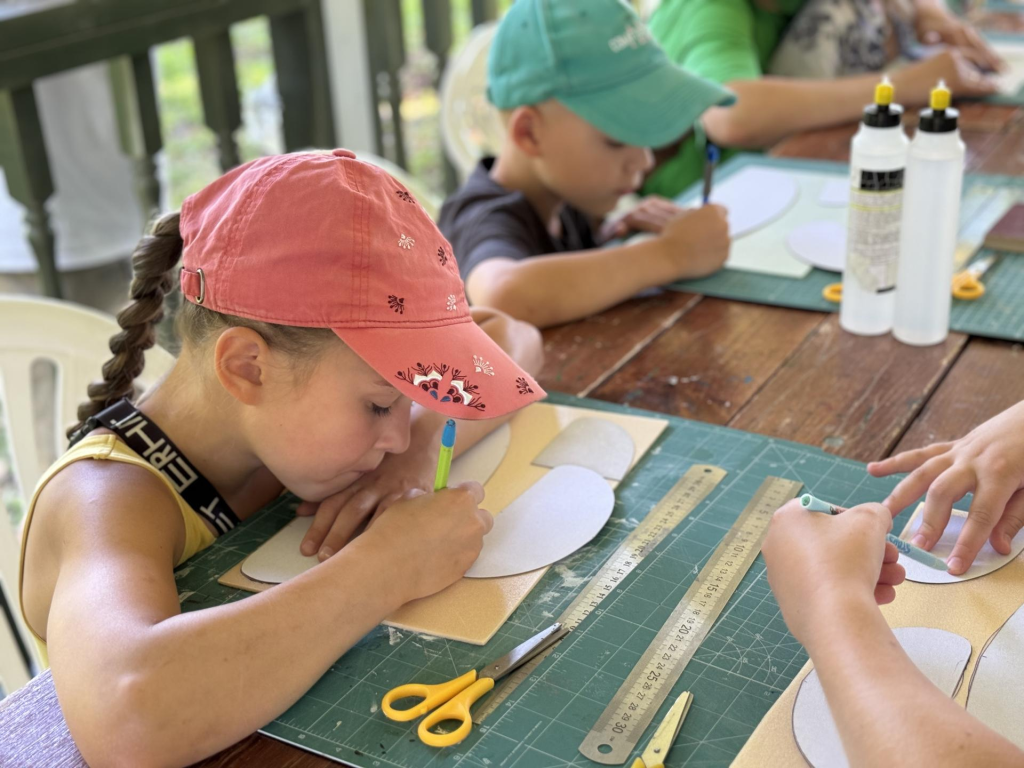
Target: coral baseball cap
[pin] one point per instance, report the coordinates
(323, 240)
(598, 59)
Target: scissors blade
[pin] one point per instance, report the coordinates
(523, 652)
(657, 751)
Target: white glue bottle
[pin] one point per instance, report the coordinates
(931, 219)
(878, 158)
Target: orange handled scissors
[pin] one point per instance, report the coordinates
(454, 698)
(967, 285)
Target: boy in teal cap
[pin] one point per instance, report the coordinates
(584, 92)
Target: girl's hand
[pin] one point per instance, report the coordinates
(816, 561)
(989, 462)
(936, 25)
(431, 538)
(341, 516)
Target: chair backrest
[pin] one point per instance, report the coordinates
(75, 340)
(471, 126)
(431, 203)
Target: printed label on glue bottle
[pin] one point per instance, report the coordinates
(876, 208)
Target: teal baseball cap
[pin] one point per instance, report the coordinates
(598, 59)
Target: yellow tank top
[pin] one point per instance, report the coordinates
(111, 448)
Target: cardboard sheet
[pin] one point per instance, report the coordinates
(996, 694)
(973, 609)
(472, 610)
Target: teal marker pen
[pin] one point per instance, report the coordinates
(922, 556)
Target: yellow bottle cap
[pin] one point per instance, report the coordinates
(884, 93)
(941, 96)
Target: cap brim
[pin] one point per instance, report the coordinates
(653, 110)
(456, 370)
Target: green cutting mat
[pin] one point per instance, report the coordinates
(999, 314)
(740, 670)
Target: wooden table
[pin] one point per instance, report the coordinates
(781, 372)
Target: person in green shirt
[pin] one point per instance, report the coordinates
(755, 47)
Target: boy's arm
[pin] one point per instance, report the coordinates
(769, 109)
(559, 288)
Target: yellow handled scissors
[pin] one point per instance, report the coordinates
(454, 698)
(967, 285)
(657, 750)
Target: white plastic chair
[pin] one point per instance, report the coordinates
(431, 203)
(471, 126)
(75, 340)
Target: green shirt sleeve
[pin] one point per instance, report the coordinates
(722, 41)
(715, 40)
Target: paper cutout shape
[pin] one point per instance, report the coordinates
(821, 244)
(483, 459)
(987, 561)
(755, 197)
(279, 559)
(835, 193)
(996, 694)
(1011, 80)
(562, 512)
(940, 655)
(597, 444)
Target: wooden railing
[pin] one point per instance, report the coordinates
(38, 41)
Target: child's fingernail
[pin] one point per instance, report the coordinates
(325, 552)
(956, 565)
(307, 548)
(919, 541)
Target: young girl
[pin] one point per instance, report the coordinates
(322, 303)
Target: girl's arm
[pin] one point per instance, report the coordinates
(142, 684)
(827, 574)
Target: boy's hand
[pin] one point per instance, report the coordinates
(962, 77)
(937, 25)
(989, 462)
(431, 538)
(651, 215)
(696, 242)
(816, 561)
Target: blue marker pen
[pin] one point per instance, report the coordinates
(924, 557)
(710, 161)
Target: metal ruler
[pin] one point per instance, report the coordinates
(622, 724)
(685, 496)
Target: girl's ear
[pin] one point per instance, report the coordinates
(241, 361)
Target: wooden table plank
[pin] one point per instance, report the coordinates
(851, 395)
(581, 355)
(259, 750)
(985, 380)
(709, 364)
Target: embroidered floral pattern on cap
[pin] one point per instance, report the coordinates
(406, 242)
(404, 196)
(435, 380)
(482, 366)
(442, 255)
(396, 304)
(523, 386)
(452, 302)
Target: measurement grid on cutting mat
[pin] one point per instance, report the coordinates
(738, 672)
